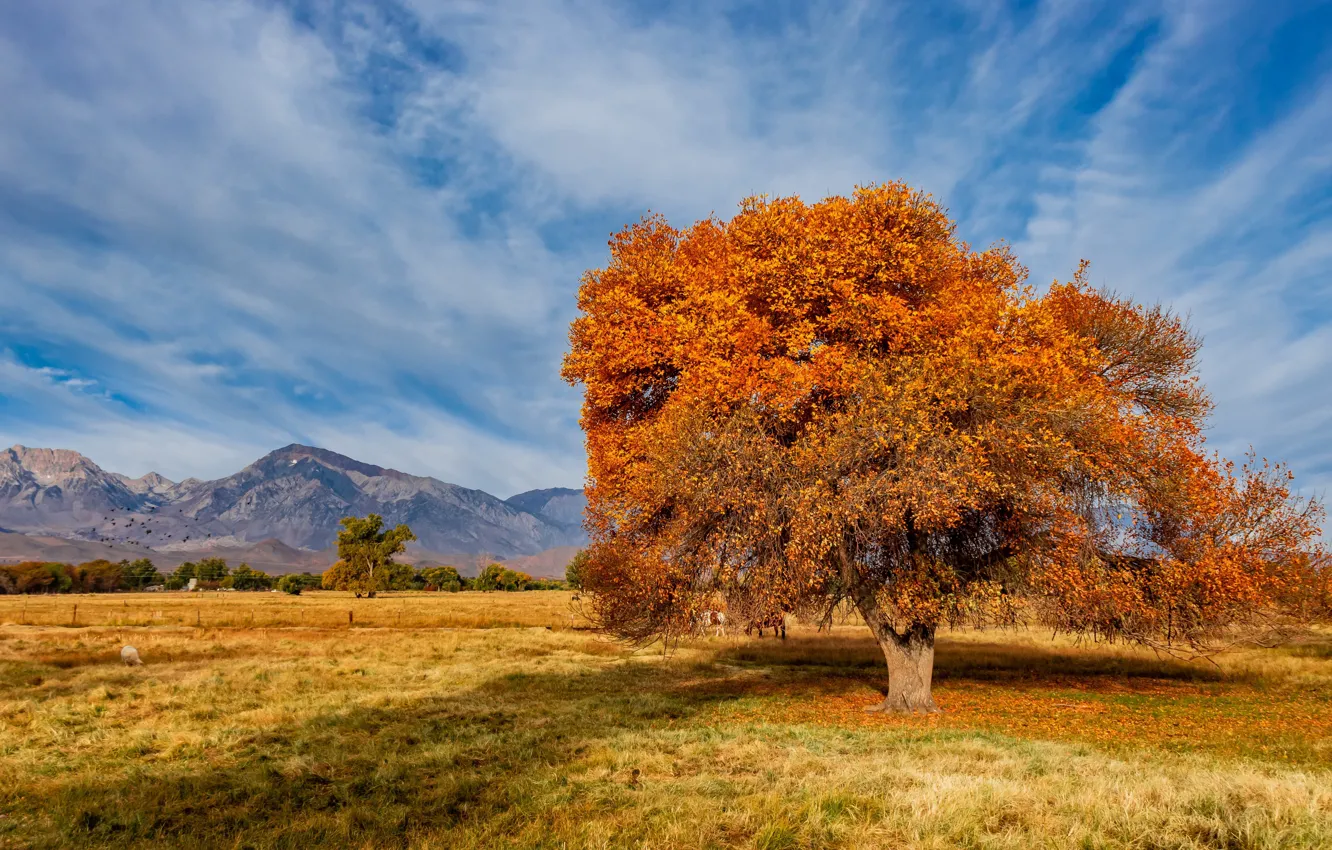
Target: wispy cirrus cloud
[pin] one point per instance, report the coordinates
(361, 224)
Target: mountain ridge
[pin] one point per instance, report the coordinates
(295, 495)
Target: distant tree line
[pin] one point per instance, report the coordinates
(99, 576)
(214, 574)
(446, 579)
(365, 565)
(102, 576)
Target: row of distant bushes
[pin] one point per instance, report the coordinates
(492, 577)
(102, 576)
(396, 576)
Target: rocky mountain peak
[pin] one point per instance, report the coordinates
(50, 466)
(58, 490)
(296, 454)
(146, 484)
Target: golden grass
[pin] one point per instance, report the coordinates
(313, 609)
(303, 732)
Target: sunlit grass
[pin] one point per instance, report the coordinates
(307, 732)
(314, 610)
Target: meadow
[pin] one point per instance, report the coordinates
(476, 720)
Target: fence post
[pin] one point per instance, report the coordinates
(350, 618)
(75, 621)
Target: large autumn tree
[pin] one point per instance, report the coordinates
(810, 404)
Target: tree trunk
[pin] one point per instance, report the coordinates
(910, 660)
(910, 657)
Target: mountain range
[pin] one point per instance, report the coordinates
(291, 499)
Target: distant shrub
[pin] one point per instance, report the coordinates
(100, 576)
(211, 570)
(443, 578)
(139, 574)
(292, 584)
(500, 577)
(246, 578)
(399, 576)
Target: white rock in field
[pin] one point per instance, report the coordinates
(130, 656)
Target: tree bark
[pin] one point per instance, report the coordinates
(910, 660)
(910, 657)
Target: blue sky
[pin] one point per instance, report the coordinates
(227, 226)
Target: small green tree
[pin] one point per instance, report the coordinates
(365, 555)
(488, 579)
(181, 577)
(211, 570)
(443, 578)
(292, 584)
(138, 574)
(399, 576)
(246, 578)
(499, 577)
(573, 573)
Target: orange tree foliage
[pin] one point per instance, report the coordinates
(811, 403)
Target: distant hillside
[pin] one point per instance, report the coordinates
(559, 506)
(548, 564)
(295, 495)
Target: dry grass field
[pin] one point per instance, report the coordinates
(490, 720)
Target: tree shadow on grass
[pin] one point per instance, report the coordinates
(489, 761)
(974, 661)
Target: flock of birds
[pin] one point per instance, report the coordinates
(144, 527)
